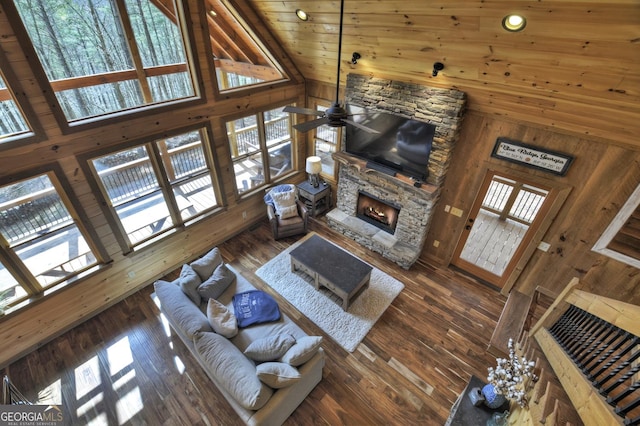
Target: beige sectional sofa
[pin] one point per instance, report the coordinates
(265, 370)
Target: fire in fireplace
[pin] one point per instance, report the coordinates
(377, 212)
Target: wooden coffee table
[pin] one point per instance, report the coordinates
(344, 275)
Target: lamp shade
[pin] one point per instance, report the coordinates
(314, 165)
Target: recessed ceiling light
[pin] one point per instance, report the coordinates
(514, 23)
(213, 13)
(302, 15)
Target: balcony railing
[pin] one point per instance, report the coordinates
(42, 212)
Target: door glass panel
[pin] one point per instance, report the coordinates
(508, 209)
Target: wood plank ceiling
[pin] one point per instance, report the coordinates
(574, 68)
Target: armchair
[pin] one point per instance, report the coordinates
(285, 224)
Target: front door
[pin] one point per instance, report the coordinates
(501, 224)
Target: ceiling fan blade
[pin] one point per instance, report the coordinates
(309, 125)
(306, 111)
(360, 126)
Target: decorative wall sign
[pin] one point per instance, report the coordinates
(516, 152)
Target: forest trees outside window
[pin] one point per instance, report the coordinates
(155, 187)
(106, 56)
(42, 242)
(260, 142)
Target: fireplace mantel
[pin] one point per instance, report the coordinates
(361, 165)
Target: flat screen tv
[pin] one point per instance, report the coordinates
(403, 144)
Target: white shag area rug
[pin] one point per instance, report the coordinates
(322, 307)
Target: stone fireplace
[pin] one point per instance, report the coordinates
(391, 214)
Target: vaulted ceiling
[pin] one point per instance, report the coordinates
(575, 67)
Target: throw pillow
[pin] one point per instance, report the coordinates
(254, 307)
(304, 349)
(269, 348)
(283, 200)
(208, 263)
(217, 283)
(189, 282)
(277, 375)
(287, 212)
(221, 319)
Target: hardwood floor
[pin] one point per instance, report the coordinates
(125, 366)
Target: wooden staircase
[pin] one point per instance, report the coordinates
(587, 354)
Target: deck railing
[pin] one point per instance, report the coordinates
(41, 212)
(247, 141)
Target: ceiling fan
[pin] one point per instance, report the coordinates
(334, 116)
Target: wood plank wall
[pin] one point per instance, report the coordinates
(33, 326)
(602, 177)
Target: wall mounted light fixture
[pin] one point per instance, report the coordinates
(355, 57)
(437, 67)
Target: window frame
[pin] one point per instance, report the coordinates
(16, 266)
(165, 186)
(602, 245)
(264, 149)
(19, 97)
(70, 127)
(224, 93)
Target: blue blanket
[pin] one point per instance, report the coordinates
(254, 307)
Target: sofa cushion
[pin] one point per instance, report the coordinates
(217, 283)
(208, 263)
(184, 315)
(269, 348)
(189, 283)
(277, 375)
(255, 307)
(304, 349)
(234, 372)
(221, 319)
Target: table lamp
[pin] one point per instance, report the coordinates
(314, 167)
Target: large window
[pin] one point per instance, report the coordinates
(157, 186)
(326, 142)
(260, 143)
(240, 58)
(106, 56)
(42, 241)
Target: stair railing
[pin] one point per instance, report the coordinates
(593, 347)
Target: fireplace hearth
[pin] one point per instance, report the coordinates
(377, 212)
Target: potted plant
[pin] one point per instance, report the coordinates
(508, 379)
